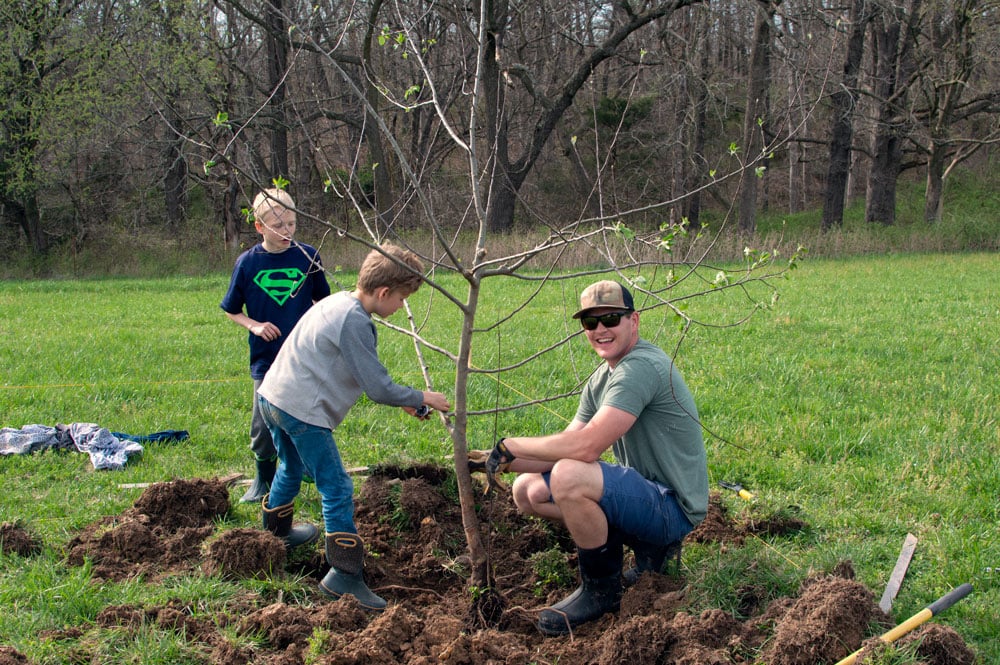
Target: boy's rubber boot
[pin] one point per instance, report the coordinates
(262, 482)
(652, 558)
(279, 522)
(600, 590)
(345, 552)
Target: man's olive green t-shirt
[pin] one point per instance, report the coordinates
(665, 443)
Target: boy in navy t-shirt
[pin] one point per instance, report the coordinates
(273, 284)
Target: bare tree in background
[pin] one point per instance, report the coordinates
(757, 115)
(894, 32)
(843, 103)
(950, 91)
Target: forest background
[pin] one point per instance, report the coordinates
(132, 129)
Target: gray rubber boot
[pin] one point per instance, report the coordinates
(600, 590)
(262, 482)
(345, 552)
(652, 558)
(279, 522)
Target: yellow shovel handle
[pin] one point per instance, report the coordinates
(935, 608)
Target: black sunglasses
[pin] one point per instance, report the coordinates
(609, 320)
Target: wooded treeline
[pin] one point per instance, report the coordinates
(151, 115)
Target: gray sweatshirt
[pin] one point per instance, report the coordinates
(328, 361)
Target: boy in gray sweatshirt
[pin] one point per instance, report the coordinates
(324, 366)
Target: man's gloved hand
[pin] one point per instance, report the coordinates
(491, 462)
(499, 459)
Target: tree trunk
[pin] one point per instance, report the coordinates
(796, 158)
(25, 214)
(756, 112)
(699, 131)
(381, 159)
(893, 41)
(175, 179)
(480, 573)
(934, 198)
(842, 130)
(880, 202)
(500, 207)
(231, 219)
(277, 64)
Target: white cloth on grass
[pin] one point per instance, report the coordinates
(106, 450)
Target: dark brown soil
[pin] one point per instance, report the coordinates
(418, 562)
(15, 539)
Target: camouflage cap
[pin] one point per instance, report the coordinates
(604, 294)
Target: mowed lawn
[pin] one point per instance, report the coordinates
(864, 402)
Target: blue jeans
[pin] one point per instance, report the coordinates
(642, 509)
(304, 448)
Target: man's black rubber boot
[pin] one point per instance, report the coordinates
(262, 482)
(279, 522)
(599, 593)
(345, 552)
(652, 558)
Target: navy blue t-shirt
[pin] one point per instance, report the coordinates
(274, 287)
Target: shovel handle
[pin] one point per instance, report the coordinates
(746, 495)
(935, 608)
(949, 599)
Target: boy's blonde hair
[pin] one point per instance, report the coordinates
(265, 203)
(394, 267)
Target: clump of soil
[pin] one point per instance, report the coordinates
(831, 613)
(162, 532)
(245, 553)
(11, 656)
(417, 559)
(940, 644)
(15, 539)
(718, 527)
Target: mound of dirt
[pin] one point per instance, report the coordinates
(417, 560)
(11, 656)
(245, 553)
(15, 539)
(161, 534)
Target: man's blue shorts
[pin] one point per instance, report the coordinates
(643, 509)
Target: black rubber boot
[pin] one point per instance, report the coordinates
(345, 552)
(262, 482)
(279, 522)
(600, 590)
(652, 558)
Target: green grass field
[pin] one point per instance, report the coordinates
(864, 402)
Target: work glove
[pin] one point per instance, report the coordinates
(499, 459)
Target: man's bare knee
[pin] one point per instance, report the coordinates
(528, 491)
(569, 479)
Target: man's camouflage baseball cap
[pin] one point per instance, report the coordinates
(604, 294)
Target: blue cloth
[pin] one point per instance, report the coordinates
(279, 288)
(167, 435)
(304, 448)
